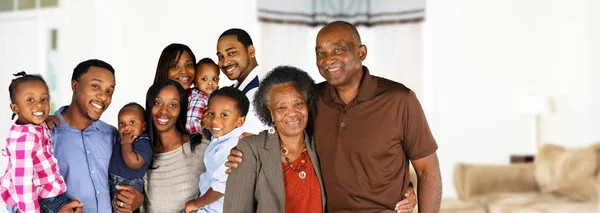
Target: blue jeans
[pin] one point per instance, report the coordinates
(53, 204)
(115, 180)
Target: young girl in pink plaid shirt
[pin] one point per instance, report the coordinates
(31, 181)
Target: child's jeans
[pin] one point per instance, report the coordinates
(53, 204)
(115, 180)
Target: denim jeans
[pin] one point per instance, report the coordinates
(115, 180)
(53, 204)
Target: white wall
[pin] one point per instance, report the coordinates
(486, 54)
(19, 51)
(130, 35)
(594, 63)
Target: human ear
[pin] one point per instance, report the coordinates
(14, 108)
(74, 85)
(251, 51)
(241, 121)
(362, 52)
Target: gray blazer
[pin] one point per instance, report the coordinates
(257, 184)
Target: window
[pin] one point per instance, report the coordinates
(26, 4)
(48, 3)
(13, 5)
(6, 5)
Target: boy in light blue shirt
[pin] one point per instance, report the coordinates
(226, 111)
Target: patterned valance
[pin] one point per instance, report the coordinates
(357, 12)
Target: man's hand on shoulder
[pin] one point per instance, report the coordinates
(233, 160)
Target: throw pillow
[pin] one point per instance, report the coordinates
(568, 172)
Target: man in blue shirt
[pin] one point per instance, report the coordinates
(83, 144)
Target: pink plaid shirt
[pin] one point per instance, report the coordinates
(198, 101)
(32, 171)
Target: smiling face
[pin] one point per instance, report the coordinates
(235, 60)
(223, 116)
(339, 55)
(183, 70)
(165, 110)
(207, 78)
(32, 102)
(93, 92)
(288, 110)
(131, 120)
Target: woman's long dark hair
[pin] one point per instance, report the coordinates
(168, 57)
(181, 119)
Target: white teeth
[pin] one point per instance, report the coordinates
(163, 120)
(97, 105)
(333, 69)
(216, 129)
(231, 68)
(38, 113)
(183, 79)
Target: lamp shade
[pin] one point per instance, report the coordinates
(535, 105)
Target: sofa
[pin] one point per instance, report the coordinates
(561, 180)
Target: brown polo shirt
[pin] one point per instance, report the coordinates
(365, 145)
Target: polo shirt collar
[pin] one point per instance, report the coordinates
(366, 90)
(253, 74)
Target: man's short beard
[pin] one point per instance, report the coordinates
(90, 117)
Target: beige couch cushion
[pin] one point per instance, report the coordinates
(508, 202)
(546, 162)
(459, 206)
(569, 172)
(476, 180)
(557, 208)
(517, 198)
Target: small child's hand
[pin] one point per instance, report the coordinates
(190, 205)
(127, 137)
(52, 121)
(73, 206)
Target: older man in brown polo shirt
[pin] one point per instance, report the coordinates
(367, 129)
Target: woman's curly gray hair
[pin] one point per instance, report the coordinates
(303, 83)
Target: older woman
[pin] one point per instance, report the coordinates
(280, 172)
(178, 159)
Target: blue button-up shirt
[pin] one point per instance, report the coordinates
(83, 159)
(215, 177)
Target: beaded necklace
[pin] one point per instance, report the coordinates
(300, 171)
